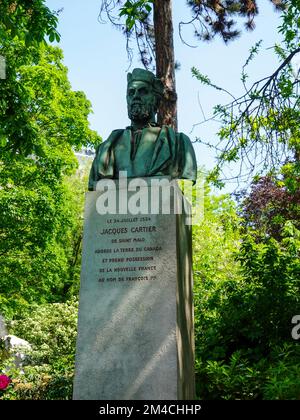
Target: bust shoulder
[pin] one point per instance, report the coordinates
(114, 135)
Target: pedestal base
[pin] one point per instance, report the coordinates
(135, 328)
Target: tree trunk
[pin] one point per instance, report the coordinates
(165, 61)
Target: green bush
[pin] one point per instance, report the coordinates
(275, 377)
(237, 379)
(245, 295)
(48, 371)
(282, 377)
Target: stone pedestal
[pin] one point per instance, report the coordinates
(135, 329)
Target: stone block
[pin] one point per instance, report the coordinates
(135, 328)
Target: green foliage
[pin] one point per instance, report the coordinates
(246, 293)
(252, 53)
(214, 242)
(135, 10)
(260, 129)
(39, 111)
(41, 229)
(30, 21)
(272, 378)
(258, 311)
(41, 122)
(282, 377)
(204, 79)
(237, 379)
(290, 25)
(48, 371)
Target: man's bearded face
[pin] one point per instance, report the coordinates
(141, 101)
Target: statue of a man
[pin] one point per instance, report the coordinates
(144, 149)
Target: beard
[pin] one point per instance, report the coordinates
(140, 112)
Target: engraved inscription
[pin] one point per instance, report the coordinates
(132, 253)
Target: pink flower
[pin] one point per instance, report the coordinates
(4, 382)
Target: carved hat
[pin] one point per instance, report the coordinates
(143, 75)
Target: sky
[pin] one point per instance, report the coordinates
(96, 57)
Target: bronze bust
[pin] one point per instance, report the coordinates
(144, 149)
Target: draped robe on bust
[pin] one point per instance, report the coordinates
(152, 151)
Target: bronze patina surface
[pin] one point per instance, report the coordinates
(144, 149)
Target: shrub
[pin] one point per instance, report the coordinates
(48, 372)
